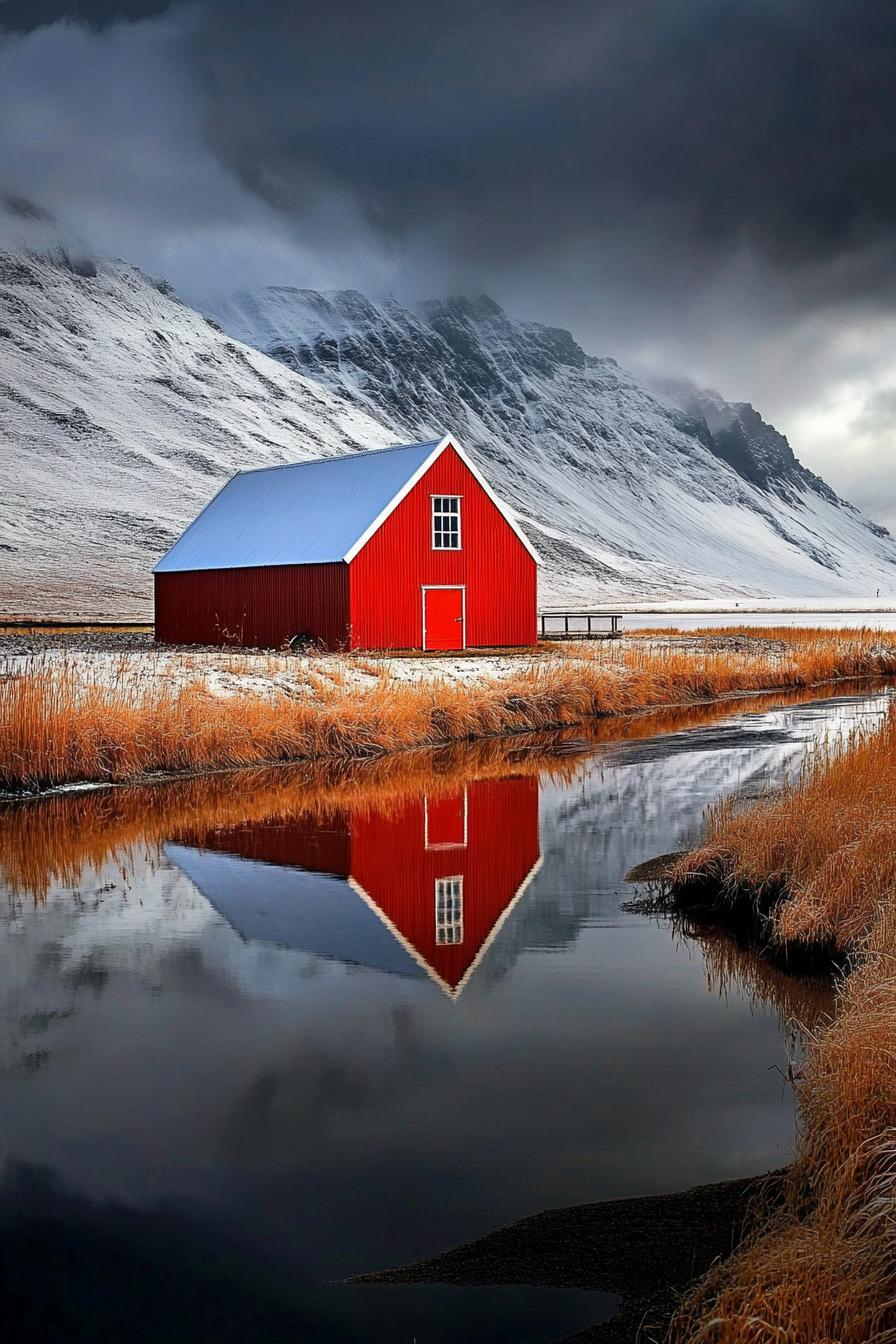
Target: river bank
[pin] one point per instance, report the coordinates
(810, 874)
(648, 1251)
(71, 715)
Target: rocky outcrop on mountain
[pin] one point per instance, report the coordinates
(630, 490)
(122, 411)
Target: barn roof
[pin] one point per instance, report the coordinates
(307, 513)
(303, 513)
(291, 907)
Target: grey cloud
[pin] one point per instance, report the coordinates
(696, 186)
(26, 15)
(104, 130)
(509, 129)
(879, 413)
(670, 134)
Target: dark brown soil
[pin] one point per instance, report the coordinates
(647, 1250)
(655, 869)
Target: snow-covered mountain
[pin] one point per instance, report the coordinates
(626, 490)
(122, 411)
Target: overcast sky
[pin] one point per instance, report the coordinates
(704, 187)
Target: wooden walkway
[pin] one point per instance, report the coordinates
(576, 624)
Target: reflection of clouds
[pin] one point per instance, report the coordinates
(94, 1259)
(358, 1118)
(357, 1092)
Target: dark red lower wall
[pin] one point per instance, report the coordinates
(318, 844)
(258, 608)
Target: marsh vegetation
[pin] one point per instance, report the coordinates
(67, 718)
(813, 865)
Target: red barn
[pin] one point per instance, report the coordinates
(400, 548)
(422, 887)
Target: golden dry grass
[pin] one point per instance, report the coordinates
(57, 839)
(828, 842)
(63, 720)
(824, 1268)
(804, 1003)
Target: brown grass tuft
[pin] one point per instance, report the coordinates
(63, 720)
(824, 1268)
(827, 844)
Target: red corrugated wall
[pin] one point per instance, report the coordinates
(386, 852)
(387, 576)
(253, 608)
(319, 844)
(391, 863)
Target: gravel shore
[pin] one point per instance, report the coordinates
(647, 1250)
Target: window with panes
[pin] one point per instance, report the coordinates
(449, 910)
(446, 522)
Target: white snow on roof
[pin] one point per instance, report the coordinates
(302, 514)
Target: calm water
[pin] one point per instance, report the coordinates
(825, 620)
(279, 1035)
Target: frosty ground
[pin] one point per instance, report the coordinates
(116, 712)
(113, 656)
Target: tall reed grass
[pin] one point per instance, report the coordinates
(64, 720)
(59, 837)
(824, 1268)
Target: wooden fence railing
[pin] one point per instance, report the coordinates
(578, 624)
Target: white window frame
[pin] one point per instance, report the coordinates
(450, 844)
(450, 889)
(435, 512)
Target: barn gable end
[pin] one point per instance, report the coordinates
(496, 571)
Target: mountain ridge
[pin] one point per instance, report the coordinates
(124, 410)
(496, 380)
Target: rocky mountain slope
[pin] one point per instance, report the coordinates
(627, 490)
(122, 411)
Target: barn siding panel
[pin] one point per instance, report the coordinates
(393, 866)
(317, 844)
(388, 574)
(260, 607)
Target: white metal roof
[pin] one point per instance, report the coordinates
(307, 513)
(289, 906)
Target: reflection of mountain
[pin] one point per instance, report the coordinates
(419, 889)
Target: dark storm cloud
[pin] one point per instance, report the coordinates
(507, 128)
(22, 16)
(697, 186)
(674, 133)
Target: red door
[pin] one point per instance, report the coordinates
(445, 822)
(443, 618)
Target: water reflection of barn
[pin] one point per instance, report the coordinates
(420, 888)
